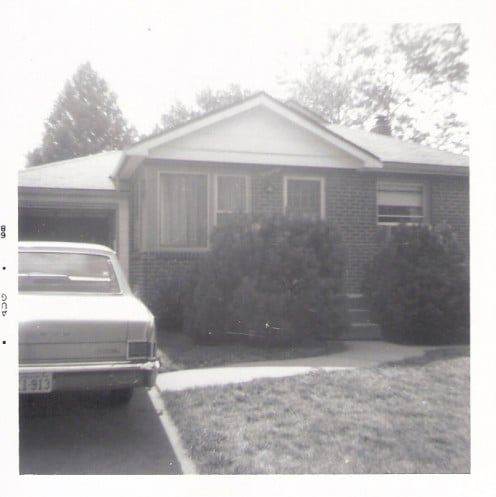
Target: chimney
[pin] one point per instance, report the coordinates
(382, 126)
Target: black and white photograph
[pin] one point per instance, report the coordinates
(243, 239)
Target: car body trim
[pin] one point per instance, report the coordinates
(92, 367)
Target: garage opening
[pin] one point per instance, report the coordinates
(69, 225)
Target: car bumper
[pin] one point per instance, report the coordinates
(87, 377)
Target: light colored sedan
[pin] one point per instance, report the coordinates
(80, 326)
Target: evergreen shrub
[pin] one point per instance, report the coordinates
(166, 301)
(277, 281)
(418, 287)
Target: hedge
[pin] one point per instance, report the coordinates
(418, 287)
(274, 281)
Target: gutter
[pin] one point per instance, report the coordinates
(414, 168)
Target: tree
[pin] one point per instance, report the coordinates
(206, 100)
(409, 76)
(209, 101)
(176, 114)
(85, 120)
(329, 85)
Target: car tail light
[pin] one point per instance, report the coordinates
(138, 350)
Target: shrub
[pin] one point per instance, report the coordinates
(277, 281)
(166, 300)
(418, 287)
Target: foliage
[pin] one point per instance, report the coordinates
(207, 100)
(412, 76)
(166, 301)
(175, 115)
(418, 287)
(329, 85)
(85, 120)
(277, 281)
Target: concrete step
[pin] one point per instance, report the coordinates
(359, 316)
(356, 300)
(361, 326)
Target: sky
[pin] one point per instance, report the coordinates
(153, 52)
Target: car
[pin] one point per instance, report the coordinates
(80, 326)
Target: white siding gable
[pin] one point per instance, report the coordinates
(256, 136)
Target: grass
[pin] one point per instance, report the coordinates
(401, 418)
(182, 353)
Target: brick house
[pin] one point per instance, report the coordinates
(157, 201)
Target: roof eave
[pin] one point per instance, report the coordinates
(416, 168)
(52, 189)
(127, 166)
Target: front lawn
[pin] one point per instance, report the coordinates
(390, 419)
(183, 353)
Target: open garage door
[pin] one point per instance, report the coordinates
(67, 225)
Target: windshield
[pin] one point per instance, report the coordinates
(66, 272)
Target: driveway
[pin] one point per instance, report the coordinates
(79, 434)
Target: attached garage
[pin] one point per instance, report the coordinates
(71, 225)
(75, 201)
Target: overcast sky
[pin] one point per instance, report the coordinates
(153, 52)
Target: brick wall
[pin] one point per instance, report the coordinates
(450, 203)
(267, 191)
(350, 198)
(150, 269)
(351, 207)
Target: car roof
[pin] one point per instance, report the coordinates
(86, 248)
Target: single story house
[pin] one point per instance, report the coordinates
(157, 201)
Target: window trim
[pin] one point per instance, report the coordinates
(402, 184)
(182, 248)
(216, 193)
(139, 213)
(320, 179)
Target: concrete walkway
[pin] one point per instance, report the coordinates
(355, 354)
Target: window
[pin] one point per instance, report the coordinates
(66, 272)
(231, 198)
(183, 212)
(304, 197)
(400, 203)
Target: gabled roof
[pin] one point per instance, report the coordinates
(92, 172)
(393, 150)
(97, 172)
(303, 120)
(373, 149)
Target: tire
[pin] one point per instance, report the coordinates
(121, 396)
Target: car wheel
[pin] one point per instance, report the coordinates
(121, 396)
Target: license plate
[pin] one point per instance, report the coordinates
(35, 383)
